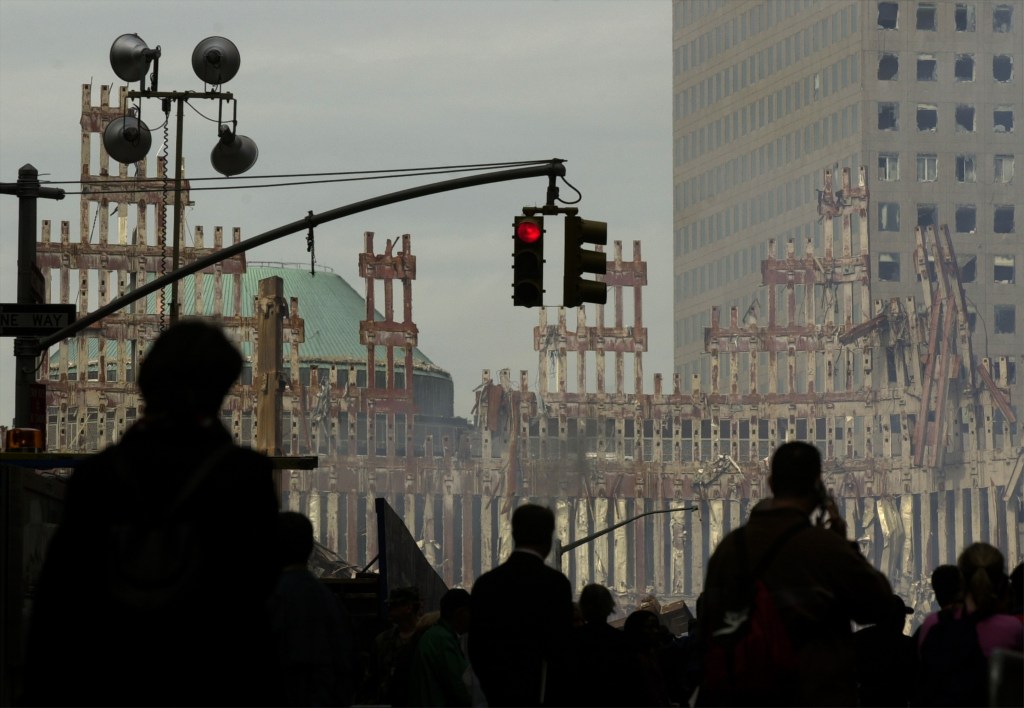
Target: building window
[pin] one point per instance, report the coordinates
(927, 215)
(888, 67)
(1003, 270)
(1002, 119)
(1004, 169)
(927, 117)
(888, 116)
(968, 269)
(1006, 319)
(888, 15)
(963, 67)
(889, 216)
(965, 169)
(966, 218)
(964, 119)
(1002, 68)
(963, 17)
(926, 16)
(1002, 219)
(1002, 18)
(927, 168)
(888, 167)
(927, 68)
(889, 267)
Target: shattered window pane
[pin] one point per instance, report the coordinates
(927, 68)
(1004, 168)
(968, 269)
(1002, 18)
(926, 16)
(888, 67)
(1002, 68)
(1005, 319)
(1002, 221)
(927, 117)
(966, 218)
(1002, 119)
(888, 15)
(965, 119)
(927, 215)
(963, 67)
(888, 116)
(965, 168)
(963, 17)
(889, 216)
(1003, 270)
(889, 267)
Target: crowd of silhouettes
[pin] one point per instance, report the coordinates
(139, 602)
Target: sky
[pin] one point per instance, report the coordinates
(334, 86)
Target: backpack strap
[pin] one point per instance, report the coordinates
(199, 475)
(769, 555)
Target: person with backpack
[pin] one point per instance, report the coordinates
(154, 587)
(955, 644)
(780, 595)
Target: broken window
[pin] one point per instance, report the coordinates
(964, 119)
(927, 116)
(1004, 168)
(1002, 119)
(1002, 219)
(888, 15)
(1002, 270)
(965, 168)
(889, 216)
(963, 67)
(1006, 319)
(888, 67)
(926, 16)
(969, 269)
(889, 267)
(1002, 67)
(888, 167)
(888, 116)
(972, 317)
(1002, 18)
(927, 68)
(927, 168)
(966, 218)
(927, 215)
(1010, 369)
(963, 17)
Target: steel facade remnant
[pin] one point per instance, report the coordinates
(825, 362)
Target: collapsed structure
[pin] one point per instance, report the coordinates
(922, 447)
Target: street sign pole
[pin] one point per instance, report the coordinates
(30, 284)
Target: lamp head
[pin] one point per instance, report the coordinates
(130, 57)
(127, 139)
(233, 154)
(216, 60)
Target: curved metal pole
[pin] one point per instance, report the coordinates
(554, 168)
(560, 549)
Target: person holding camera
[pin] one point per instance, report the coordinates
(795, 546)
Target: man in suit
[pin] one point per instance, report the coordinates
(522, 619)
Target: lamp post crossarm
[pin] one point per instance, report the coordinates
(181, 95)
(597, 534)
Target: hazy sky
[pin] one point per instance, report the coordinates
(358, 85)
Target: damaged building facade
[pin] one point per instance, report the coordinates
(920, 436)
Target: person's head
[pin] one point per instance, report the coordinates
(404, 607)
(895, 619)
(532, 527)
(455, 609)
(294, 539)
(947, 585)
(188, 370)
(984, 572)
(596, 603)
(642, 629)
(796, 472)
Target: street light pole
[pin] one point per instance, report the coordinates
(559, 549)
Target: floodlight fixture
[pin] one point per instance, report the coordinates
(130, 57)
(216, 60)
(127, 139)
(233, 154)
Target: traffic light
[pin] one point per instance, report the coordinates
(528, 263)
(576, 290)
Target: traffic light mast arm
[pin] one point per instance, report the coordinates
(552, 169)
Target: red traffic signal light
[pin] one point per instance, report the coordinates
(528, 263)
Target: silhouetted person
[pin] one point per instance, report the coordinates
(393, 649)
(955, 644)
(818, 579)
(947, 586)
(440, 669)
(598, 653)
(648, 684)
(886, 659)
(310, 626)
(522, 616)
(155, 585)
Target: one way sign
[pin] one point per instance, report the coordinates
(34, 320)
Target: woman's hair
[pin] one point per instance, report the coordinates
(984, 572)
